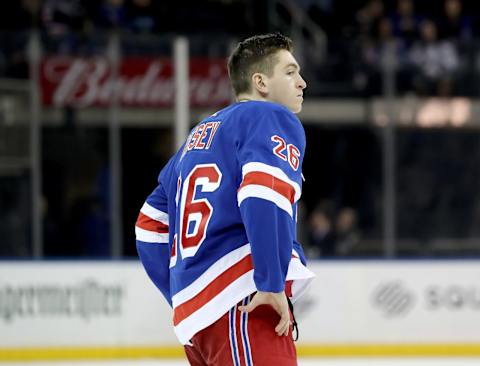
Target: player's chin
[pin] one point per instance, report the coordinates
(297, 108)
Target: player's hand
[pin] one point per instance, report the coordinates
(279, 303)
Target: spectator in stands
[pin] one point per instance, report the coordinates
(373, 53)
(405, 21)
(384, 37)
(346, 231)
(436, 61)
(61, 17)
(332, 232)
(141, 16)
(454, 24)
(111, 14)
(321, 231)
(64, 21)
(368, 18)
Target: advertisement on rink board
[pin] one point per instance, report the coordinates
(392, 302)
(140, 82)
(79, 304)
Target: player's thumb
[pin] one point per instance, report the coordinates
(250, 307)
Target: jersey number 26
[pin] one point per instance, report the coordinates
(293, 154)
(195, 213)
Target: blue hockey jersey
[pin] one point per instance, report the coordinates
(221, 224)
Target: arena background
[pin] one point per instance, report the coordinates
(96, 95)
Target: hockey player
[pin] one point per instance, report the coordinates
(217, 235)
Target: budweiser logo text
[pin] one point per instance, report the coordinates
(140, 82)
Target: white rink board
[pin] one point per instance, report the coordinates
(114, 304)
(395, 302)
(81, 303)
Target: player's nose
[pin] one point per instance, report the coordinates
(302, 84)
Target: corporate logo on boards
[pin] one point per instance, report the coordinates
(453, 297)
(140, 82)
(393, 299)
(86, 300)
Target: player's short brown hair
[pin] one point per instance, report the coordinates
(255, 54)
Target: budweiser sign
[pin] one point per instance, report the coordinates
(141, 82)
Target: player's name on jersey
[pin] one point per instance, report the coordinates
(202, 136)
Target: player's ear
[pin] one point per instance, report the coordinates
(260, 83)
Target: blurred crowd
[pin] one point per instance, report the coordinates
(430, 48)
(63, 17)
(435, 47)
(332, 231)
(81, 27)
(433, 41)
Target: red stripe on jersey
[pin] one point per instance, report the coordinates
(147, 223)
(267, 180)
(186, 309)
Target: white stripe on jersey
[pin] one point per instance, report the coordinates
(150, 236)
(272, 170)
(241, 287)
(210, 274)
(154, 213)
(253, 190)
(216, 307)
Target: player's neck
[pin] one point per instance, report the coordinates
(250, 97)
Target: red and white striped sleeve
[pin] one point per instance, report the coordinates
(152, 225)
(152, 232)
(270, 153)
(270, 183)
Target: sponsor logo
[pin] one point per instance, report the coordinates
(393, 299)
(140, 82)
(86, 300)
(453, 297)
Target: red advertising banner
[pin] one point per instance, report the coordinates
(141, 82)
